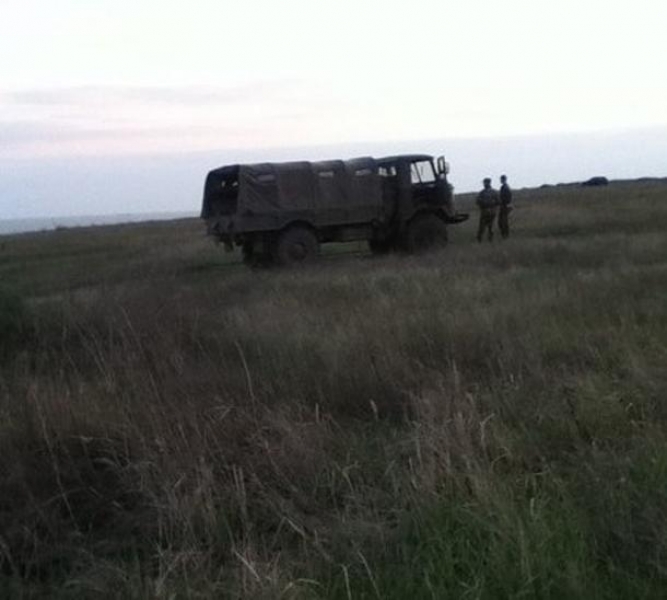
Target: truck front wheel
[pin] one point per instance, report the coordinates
(426, 232)
(296, 245)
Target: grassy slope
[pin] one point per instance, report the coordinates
(485, 422)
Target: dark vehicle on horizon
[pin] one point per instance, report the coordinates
(282, 212)
(596, 181)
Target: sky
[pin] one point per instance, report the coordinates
(110, 105)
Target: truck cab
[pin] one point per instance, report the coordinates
(419, 182)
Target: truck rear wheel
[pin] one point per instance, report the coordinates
(426, 232)
(296, 245)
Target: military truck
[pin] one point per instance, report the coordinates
(282, 212)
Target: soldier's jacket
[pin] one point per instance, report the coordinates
(488, 199)
(505, 195)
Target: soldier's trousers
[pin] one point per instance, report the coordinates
(504, 222)
(486, 219)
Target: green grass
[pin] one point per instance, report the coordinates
(488, 421)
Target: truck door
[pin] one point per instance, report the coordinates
(388, 174)
(423, 182)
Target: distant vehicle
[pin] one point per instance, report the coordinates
(282, 212)
(595, 181)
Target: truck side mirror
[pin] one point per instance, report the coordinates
(443, 165)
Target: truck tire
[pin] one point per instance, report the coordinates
(296, 245)
(425, 232)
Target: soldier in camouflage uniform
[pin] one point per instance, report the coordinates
(505, 207)
(488, 202)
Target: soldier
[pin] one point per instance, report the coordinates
(488, 201)
(505, 207)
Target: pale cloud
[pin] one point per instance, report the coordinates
(99, 120)
(136, 119)
(81, 96)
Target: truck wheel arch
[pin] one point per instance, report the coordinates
(296, 243)
(426, 230)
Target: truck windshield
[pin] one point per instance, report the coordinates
(422, 172)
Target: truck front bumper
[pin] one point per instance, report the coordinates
(458, 218)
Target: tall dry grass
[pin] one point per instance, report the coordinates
(484, 422)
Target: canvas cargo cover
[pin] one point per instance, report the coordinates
(270, 187)
(298, 186)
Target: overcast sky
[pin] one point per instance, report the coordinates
(86, 79)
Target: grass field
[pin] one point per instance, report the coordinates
(489, 421)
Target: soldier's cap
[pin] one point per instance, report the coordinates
(487, 180)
